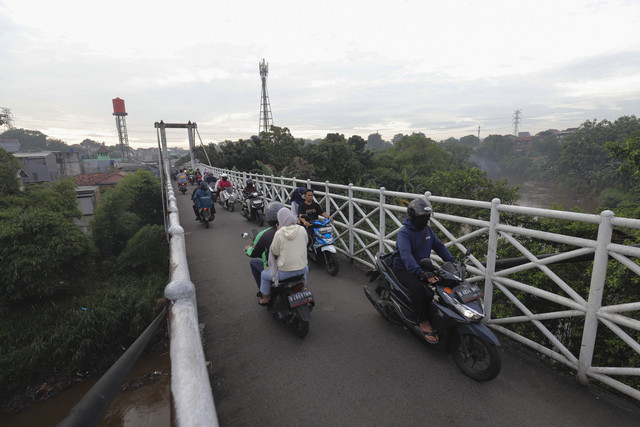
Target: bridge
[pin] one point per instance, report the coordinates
(354, 368)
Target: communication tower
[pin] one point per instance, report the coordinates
(516, 122)
(121, 124)
(266, 120)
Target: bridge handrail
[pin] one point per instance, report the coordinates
(191, 394)
(362, 230)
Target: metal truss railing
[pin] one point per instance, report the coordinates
(366, 221)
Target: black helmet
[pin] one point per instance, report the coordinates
(249, 181)
(203, 185)
(419, 211)
(272, 212)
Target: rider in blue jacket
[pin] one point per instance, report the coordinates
(414, 242)
(202, 199)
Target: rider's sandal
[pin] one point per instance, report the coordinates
(433, 335)
(264, 304)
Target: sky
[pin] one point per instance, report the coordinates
(444, 68)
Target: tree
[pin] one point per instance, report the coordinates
(375, 142)
(34, 140)
(9, 166)
(135, 202)
(470, 141)
(333, 160)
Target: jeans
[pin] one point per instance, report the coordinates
(265, 283)
(257, 267)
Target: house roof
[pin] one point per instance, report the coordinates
(104, 178)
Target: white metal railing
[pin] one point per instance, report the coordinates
(366, 221)
(192, 399)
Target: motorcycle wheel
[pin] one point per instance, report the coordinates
(260, 220)
(331, 263)
(475, 358)
(231, 206)
(301, 328)
(206, 224)
(380, 310)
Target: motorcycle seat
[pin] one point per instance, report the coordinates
(291, 280)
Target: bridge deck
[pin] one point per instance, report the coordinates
(354, 368)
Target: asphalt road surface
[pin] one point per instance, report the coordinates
(354, 368)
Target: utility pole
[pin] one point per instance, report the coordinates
(478, 133)
(516, 122)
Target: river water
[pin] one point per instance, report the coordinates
(142, 405)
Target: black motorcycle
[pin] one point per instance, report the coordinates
(206, 216)
(182, 186)
(291, 302)
(457, 311)
(192, 178)
(253, 207)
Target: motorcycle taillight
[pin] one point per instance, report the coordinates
(298, 287)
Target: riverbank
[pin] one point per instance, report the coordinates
(143, 399)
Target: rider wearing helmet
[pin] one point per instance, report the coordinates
(259, 251)
(250, 187)
(414, 242)
(223, 183)
(202, 199)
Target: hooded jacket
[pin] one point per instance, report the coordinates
(409, 240)
(290, 247)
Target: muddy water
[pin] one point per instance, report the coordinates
(148, 405)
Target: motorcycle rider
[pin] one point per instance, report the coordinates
(309, 211)
(414, 242)
(202, 199)
(287, 255)
(223, 183)
(259, 250)
(210, 179)
(246, 193)
(182, 179)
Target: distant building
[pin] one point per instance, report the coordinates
(10, 145)
(564, 133)
(40, 167)
(103, 180)
(88, 198)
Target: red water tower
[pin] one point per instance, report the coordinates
(121, 124)
(118, 107)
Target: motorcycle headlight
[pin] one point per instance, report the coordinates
(465, 311)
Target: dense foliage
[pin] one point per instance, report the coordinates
(71, 302)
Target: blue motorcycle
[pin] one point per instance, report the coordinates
(322, 246)
(457, 310)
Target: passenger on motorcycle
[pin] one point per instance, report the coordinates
(259, 250)
(414, 242)
(202, 199)
(309, 211)
(287, 255)
(296, 199)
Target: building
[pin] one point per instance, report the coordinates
(88, 197)
(103, 180)
(47, 166)
(10, 145)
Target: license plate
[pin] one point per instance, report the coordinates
(469, 292)
(300, 298)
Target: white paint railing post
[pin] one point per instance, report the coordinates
(350, 225)
(598, 276)
(492, 254)
(383, 221)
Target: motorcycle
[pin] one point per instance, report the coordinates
(291, 302)
(182, 186)
(192, 178)
(253, 207)
(206, 216)
(227, 199)
(322, 246)
(457, 311)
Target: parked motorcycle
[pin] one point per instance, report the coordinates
(322, 247)
(227, 199)
(182, 186)
(290, 302)
(206, 216)
(253, 207)
(457, 310)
